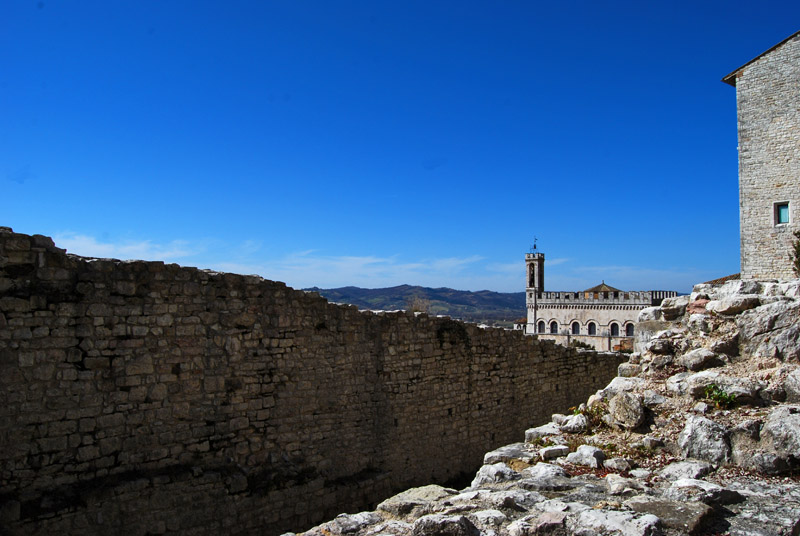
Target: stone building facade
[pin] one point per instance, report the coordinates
(768, 113)
(602, 316)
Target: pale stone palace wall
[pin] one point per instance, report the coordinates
(768, 105)
(592, 311)
(138, 397)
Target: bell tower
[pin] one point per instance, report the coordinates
(534, 285)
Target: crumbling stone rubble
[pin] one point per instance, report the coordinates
(699, 435)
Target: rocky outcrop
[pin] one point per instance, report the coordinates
(700, 434)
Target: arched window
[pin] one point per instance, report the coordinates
(592, 328)
(540, 328)
(614, 329)
(629, 330)
(553, 327)
(576, 328)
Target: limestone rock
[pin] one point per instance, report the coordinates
(487, 518)
(442, 525)
(685, 489)
(628, 370)
(407, 501)
(618, 464)
(546, 477)
(781, 433)
(515, 451)
(619, 485)
(771, 331)
(587, 455)
(576, 424)
(350, 523)
(556, 451)
(618, 385)
(687, 518)
(650, 314)
(700, 359)
(549, 429)
(685, 469)
(676, 384)
(493, 474)
(594, 522)
(733, 304)
(704, 439)
(744, 390)
(626, 410)
(791, 387)
(673, 308)
(652, 399)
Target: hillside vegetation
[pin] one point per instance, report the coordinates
(484, 306)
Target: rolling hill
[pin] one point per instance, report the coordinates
(495, 308)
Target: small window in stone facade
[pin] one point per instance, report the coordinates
(629, 330)
(614, 329)
(553, 327)
(576, 328)
(781, 213)
(540, 327)
(592, 328)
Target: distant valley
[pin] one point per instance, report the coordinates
(494, 308)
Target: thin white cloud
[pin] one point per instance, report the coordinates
(89, 246)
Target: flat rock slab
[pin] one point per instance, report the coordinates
(687, 517)
(515, 451)
(404, 503)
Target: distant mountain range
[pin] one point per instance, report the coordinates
(495, 308)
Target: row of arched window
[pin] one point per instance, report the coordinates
(591, 328)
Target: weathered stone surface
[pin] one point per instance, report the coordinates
(771, 331)
(781, 433)
(546, 430)
(587, 455)
(688, 518)
(618, 464)
(652, 399)
(493, 474)
(575, 424)
(594, 522)
(700, 359)
(792, 387)
(442, 525)
(673, 308)
(685, 489)
(350, 523)
(732, 305)
(628, 370)
(406, 502)
(685, 469)
(515, 451)
(301, 408)
(626, 410)
(743, 390)
(556, 451)
(677, 384)
(705, 440)
(619, 485)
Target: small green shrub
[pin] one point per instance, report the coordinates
(719, 396)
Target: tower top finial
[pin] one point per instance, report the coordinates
(533, 248)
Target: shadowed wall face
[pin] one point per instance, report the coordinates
(141, 397)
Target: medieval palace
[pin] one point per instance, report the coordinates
(602, 316)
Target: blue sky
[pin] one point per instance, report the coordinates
(335, 143)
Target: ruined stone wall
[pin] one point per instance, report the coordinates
(768, 104)
(139, 397)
